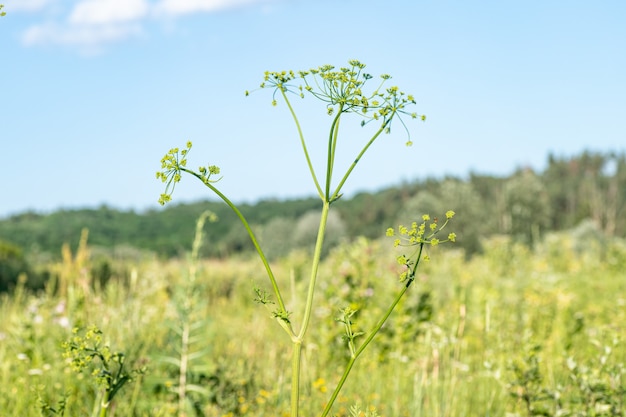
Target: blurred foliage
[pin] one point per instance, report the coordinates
(525, 205)
(514, 330)
(14, 266)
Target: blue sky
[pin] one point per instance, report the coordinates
(94, 92)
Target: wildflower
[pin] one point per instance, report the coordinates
(173, 164)
(417, 236)
(345, 88)
(63, 321)
(320, 384)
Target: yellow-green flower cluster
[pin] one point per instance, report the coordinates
(173, 163)
(419, 234)
(85, 350)
(81, 349)
(422, 233)
(342, 90)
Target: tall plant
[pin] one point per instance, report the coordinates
(344, 94)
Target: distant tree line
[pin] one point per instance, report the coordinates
(524, 205)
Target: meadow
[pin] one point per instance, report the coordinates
(526, 323)
(513, 331)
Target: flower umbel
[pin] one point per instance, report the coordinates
(85, 350)
(173, 163)
(343, 90)
(418, 235)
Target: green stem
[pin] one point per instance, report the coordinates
(295, 377)
(332, 146)
(297, 341)
(266, 264)
(303, 143)
(356, 161)
(371, 335)
(182, 374)
(317, 254)
(104, 404)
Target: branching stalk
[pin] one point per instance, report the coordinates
(295, 377)
(317, 254)
(356, 161)
(371, 335)
(332, 146)
(255, 242)
(297, 341)
(303, 143)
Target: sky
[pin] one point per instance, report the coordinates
(94, 92)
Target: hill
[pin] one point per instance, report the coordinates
(525, 204)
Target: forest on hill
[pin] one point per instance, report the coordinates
(525, 205)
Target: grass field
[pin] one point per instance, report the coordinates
(512, 332)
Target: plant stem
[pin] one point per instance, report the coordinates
(360, 350)
(370, 336)
(356, 161)
(317, 254)
(281, 304)
(182, 375)
(303, 143)
(295, 377)
(104, 404)
(297, 341)
(332, 146)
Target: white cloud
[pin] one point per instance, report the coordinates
(89, 24)
(108, 11)
(26, 5)
(178, 7)
(87, 37)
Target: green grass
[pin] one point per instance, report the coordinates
(450, 349)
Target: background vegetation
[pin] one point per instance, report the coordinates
(513, 330)
(525, 318)
(524, 205)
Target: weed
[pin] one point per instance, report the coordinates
(593, 387)
(343, 93)
(86, 351)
